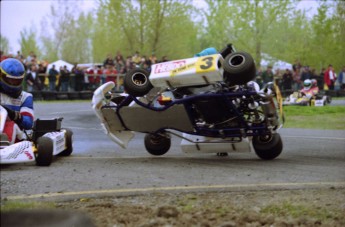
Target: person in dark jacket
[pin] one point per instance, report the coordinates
(52, 74)
(79, 78)
(287, 80)
(33, 82)
(64, 78)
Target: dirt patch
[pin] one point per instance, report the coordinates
(312, 207)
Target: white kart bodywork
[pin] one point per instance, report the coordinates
(201, 144)
(187, 72)
(113, 128)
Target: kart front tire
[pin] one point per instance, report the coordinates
(69, 147)
(268, 147)
(137, 83)
(44, 155)
(157, 144)
(239, 68)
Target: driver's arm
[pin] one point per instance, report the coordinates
(24, 115)
(27, 113)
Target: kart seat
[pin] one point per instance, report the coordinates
(44, 126)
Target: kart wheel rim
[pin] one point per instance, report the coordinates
(237, 60)
(265, 138)
(139, 79)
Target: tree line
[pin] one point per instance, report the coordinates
(179, 29)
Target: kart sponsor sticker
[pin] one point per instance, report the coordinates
(19, 149)
(202, 65)
(168, 66)
(60, 144)
(182, 69)
(27, 153)
(319, 102)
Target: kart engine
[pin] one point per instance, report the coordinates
(223, 111)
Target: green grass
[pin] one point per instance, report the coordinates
(299, 210)
(324, 117)
(19, 205)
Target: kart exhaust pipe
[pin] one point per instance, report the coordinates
(269, 110)
(268, 105)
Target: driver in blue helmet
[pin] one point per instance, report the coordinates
(18, 103)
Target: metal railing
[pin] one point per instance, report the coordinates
(118, 79)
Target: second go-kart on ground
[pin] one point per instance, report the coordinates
(46, 140)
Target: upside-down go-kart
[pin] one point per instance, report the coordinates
(39, 145)
(209, 101)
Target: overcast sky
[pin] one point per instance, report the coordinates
(19, 14)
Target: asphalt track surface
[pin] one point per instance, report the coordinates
(98, 167)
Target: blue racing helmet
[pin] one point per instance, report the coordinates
(12, 73)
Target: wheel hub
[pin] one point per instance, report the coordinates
(139, 79)
(237, 60)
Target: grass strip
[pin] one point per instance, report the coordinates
(313, 117)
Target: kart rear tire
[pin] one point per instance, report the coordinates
(268, 147)
(44, 154)
(239, 68)
(157, 144)
(69, 147)
(137, 83)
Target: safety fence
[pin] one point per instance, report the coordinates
(89, 83)
(87, 92)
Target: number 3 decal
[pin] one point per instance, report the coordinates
(208, 63)
(205, 64)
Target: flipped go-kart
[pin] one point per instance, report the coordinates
(210, 102)
(39, 145)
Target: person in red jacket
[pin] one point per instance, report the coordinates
(330, 77)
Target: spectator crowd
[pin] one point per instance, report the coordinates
(80, 77)
(83, 78)
(292, 79)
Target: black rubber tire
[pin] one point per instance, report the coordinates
(328, 99)
(137, 82)
(269, 147)
(239, 68)
(44, 154)
(156, 144)
(69, 147)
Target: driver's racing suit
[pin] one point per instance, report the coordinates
(310, 92)
(20, 114)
